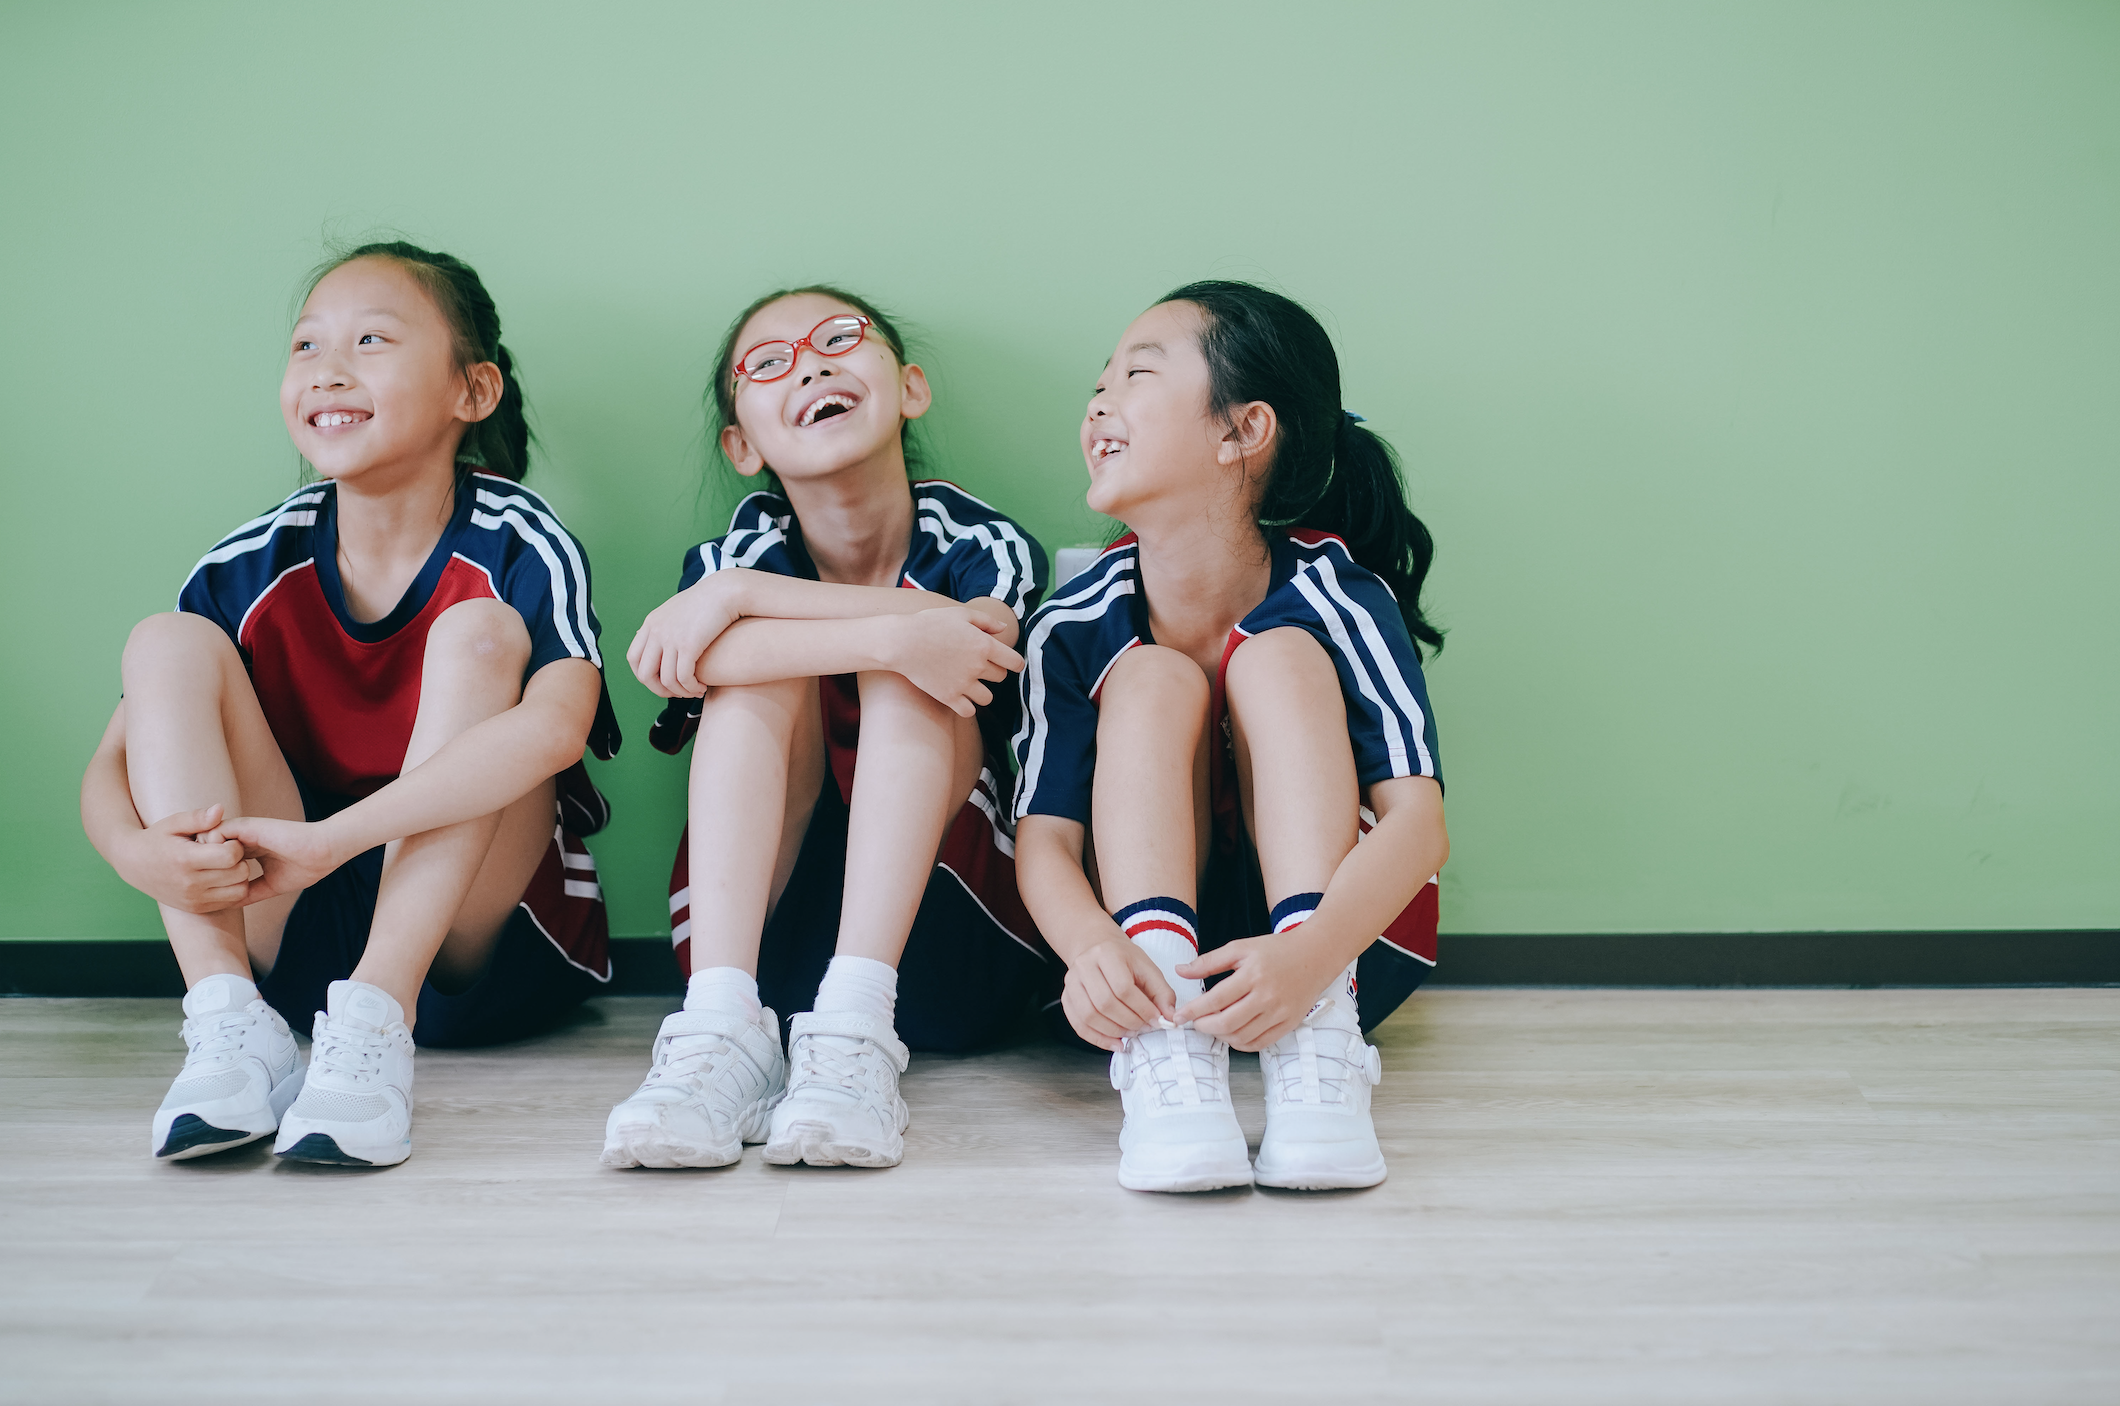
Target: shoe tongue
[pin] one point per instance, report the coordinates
(217, 993)
(362, 1004)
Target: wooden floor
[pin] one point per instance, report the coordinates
(1595, 1196)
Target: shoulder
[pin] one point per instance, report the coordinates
(499, 504)
(759, 524)
(268, 537)
(954, 514)
(1095, 601)
(1322, 559)
(514, 535)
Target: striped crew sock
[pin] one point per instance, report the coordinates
(1169, 932)
(1290, 912)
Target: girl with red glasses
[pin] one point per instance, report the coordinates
(841, 661)
(1214, 713)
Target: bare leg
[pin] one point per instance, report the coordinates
(195, 736)
(1149, 803)
(758, 762)
(473, 670)
(919, 762)
(1295, 766)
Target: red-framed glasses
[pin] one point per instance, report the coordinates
(835, 336)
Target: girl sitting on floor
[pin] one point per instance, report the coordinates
(348, 766)
(1214, 713)
(845, 608)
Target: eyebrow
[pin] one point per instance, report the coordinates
(361, 312)
(1156, 347)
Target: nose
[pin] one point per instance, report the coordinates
(817, 375)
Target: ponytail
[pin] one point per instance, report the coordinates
(500, 443)
(1327, 472)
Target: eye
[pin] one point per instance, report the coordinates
(839, 338)
(1137, 371)
(367, 337)
(303, 344)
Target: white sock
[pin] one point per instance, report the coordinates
(728, 990)
(859, 986)
(1169, 932)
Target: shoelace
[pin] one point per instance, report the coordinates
(838, 1061)
(1168, 1062)
(347, 1052)
(215, 1038)
(681, 1057)
(1305, 1077)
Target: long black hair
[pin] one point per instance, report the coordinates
(1327, 471)
(721, 391)
(500, 443)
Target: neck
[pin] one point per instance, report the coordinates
(388, 523)
(1201, 577)
(857, 522)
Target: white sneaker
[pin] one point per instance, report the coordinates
(243, 1070)
(1318, 1079)
(1181, 1132)
(713, 1079)
(356, 1108)
(842, 1106)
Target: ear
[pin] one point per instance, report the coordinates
(742, 453)
(914, 393)
(1253, 429)
(482, 392)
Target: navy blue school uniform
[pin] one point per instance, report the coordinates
(341, 697)
(1075, 638)
(974, 960)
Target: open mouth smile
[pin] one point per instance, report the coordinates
(1103, 450)
(828, 406)
(334, 419)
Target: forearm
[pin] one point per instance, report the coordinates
(1056, 889)
(479, 771)
(107, 813)
(755, 594)
(766, 650)
(1379, 877)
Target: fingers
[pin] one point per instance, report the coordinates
(1117, 996)
(1215, 998)
(189, 822)
(1222, 959)
(215, 852)
(980, 694)
(1007, 658)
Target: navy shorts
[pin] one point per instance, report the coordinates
(964, 981)
(527, 987)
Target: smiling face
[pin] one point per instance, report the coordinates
(372, 377)
(1153, 446)
(829, 412)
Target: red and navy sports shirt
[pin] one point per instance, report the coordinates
(341, 695)
(962, 548)
(1074, 639)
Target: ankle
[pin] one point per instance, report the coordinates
(1169, 932)
(859, 986)
(724, 991)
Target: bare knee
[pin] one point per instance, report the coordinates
(1278, 658)
(486, 635)
(176, 638)
(887, 693)
(784, 694)
(1158, 683)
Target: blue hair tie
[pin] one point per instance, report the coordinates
(1357, 419)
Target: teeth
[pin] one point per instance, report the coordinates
(844, 402)
(1105, 448)
(326, 419)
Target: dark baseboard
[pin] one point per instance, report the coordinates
(642, 966)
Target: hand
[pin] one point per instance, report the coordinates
(1274, 982)
(1114, 989)
(951, 653)
(292, 854)
(175, 861)
(665, 651)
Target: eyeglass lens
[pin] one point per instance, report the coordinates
(835, 336)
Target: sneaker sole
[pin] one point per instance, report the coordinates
(1320, 1178)
(1198, 1181)
(322, 1150)
(654, 1154)
(192, 1136)
(811, 1144)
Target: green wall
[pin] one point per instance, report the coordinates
(1757, 367)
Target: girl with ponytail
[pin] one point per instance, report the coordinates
(348, 766)
(1214, 713)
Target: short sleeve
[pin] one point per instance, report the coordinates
(1056, 740)
(1356, 618)
(548, 584)
(197, 598)
(999, 559)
